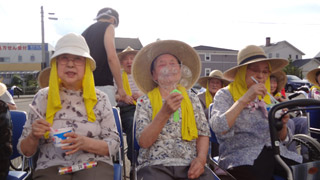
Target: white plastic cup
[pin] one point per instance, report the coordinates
(58, 136)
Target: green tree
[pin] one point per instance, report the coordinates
(16, 81)
(31, 80)
(292, 70)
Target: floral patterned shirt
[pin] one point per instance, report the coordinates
(169, 149)
(244, 141)
(315, 93)
(73, 114)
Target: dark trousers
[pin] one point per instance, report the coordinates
(102, 171)
(264, 167)
(160, 172)
(126, 114)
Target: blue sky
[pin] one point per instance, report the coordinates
(230, 24)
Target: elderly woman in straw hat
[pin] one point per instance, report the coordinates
(171, 127)
(71, 100)
(239, 118)
(297, 125)
(127, 105)
(314, 77)
(212, 83)
(6, 97)
(43, 77)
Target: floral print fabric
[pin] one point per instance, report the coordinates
(243, 142)
(73, 114)
(315, 94)
(169, 149)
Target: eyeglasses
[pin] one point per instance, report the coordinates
(77, 60)
(256, 71)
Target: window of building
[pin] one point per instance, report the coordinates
(277, 55)
(4, 59)
(207, 71)
(297, 56)
(32, 58)
(208, 57)
(20, 58)
(290, 57)
(270, 55)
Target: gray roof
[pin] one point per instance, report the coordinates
(123, 43)
(266, 48)
(209, 48)
(300, 62)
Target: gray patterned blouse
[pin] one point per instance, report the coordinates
(73, 114)
(244, 141)
(169, 149)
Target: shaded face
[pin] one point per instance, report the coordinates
(71, 69)
(318, 79)
(126, 63)
(273, 84)
(259, 70)
(166, 71)
(214, 85)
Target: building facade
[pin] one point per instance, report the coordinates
(216, 58)
(22, 59)
(26, 58)
(281, 49)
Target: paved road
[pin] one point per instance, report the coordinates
(23, 102)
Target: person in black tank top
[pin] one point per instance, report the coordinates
(100, 39)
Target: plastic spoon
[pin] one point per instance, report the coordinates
(274, 99)
(34, 110)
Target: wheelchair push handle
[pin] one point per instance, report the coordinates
(273, 120)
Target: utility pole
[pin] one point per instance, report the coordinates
(42, 40)
(43, 49)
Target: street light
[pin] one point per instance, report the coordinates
(42, 35)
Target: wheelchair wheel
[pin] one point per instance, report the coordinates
(309, 143)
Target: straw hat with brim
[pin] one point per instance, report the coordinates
(143, 60)
(43, 78)
(252, 54)
(213, 74)
(281, 79)
(3, 88)
(311, 76)
(125, 52)
(76, 45)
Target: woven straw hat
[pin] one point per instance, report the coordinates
(213, 74)
(252, 54)
(73, 44)
(142, 63)
(126, 51)
(3, 88)
(311, 76)
(43, 77)
(281, 79)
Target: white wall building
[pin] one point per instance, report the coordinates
(282, 49)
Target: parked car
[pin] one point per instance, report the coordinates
(294, 82)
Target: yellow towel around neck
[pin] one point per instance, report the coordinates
(315, 86)
(126, 85)
(209, 97)
(239, 87)
(189, 129)
(54, 102)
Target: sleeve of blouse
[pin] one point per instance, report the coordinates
(37, 102)
(311, 94)
(201, 120)
(109, 132)
(218, 122)
(142, 117)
